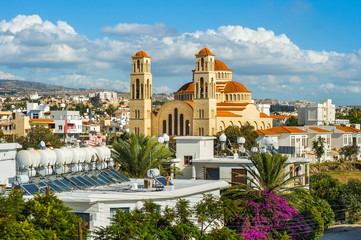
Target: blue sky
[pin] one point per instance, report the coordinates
(286, 50)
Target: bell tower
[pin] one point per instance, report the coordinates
(140, 102)
(205, 102)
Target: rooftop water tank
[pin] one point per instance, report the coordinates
(87, 156)
(76, 157)
(44, 158)
(60, 158)
(100, 152)
(23, 159)
(68, 155)
(35, 156)
(106, 151)
(51, 156)
(81, 154)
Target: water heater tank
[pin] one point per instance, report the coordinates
(100, 152)
(51, 156)
(60, 158)
(87, 156)
(35, 155)
(76, 157)
(44, 158)
(81, 154)
(23, 159)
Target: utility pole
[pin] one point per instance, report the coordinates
(80, 231)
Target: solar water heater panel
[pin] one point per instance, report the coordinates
(163, 181)
(31, 188)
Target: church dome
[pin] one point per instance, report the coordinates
(141, 54)
(218, 65)
(204, 52)
(235, 87)
(188, 87)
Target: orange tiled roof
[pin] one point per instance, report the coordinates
(232, 104)
(121, 111)
(266, 132)
(218, 65)
(233, 86)
(335, 150)
(204, 52)
(320, 130)
(190, 103)
(48, 112)
(188, 87)
(227, 114)
(278, 117)
(230, 109)
(41, 120)
(283, 129)
(346, 129)
(141, 54)
(263, 115)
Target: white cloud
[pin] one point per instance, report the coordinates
(260, 58)
(81, 81)
(162, 89)
(9, 76)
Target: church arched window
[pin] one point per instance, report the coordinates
(170, 124)
(176, 121)
(181, 125)
(187, 127)
(164, 126)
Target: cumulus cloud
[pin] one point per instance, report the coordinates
(257, 56)
(162, 89)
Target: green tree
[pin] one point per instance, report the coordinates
(292, 121)
(349, 151)
(176, 223)
(318, 147)
(111, 110)
(139, 154)
(268, 172)
(247, 131)
(43, 217)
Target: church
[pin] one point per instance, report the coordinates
(211, 102)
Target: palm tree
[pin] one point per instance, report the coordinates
(269, 173)
(138, 154)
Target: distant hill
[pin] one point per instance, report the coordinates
(9, 84)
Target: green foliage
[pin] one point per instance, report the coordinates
(171, 223)
(110, 110)
(354, 115)
(35, 136)
(318, 147)
(349, 151)
(327, 188)
(269, 173)
(81, 107)
(139, 154)
(95, 102)
(158, 102)
(247, 131)
(43, 217)
(316, 213)
(351, 198)
(292, 121)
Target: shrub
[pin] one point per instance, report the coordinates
(351, 198)
(264, 215)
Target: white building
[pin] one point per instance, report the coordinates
(67, 123)
(264, 108)
(36, 111)
(7, 162)
(322, 113)
(106, 95)
(195, 158)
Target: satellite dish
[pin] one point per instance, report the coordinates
(152, 173)
(42, 144)
(62, 105)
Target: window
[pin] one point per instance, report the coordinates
(36, 115)
(347, 139)
(176, 121)
(181, 127)
(187, 127)
(328, 141)
(304, 141)
(293, 141)
(239, 176)
(164, 126)
(187, 160)
(359, 139)
(170, 124)
(60, 127)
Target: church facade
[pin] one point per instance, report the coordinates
(211, 102)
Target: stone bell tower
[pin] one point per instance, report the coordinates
(140, 103)
(205, 102)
